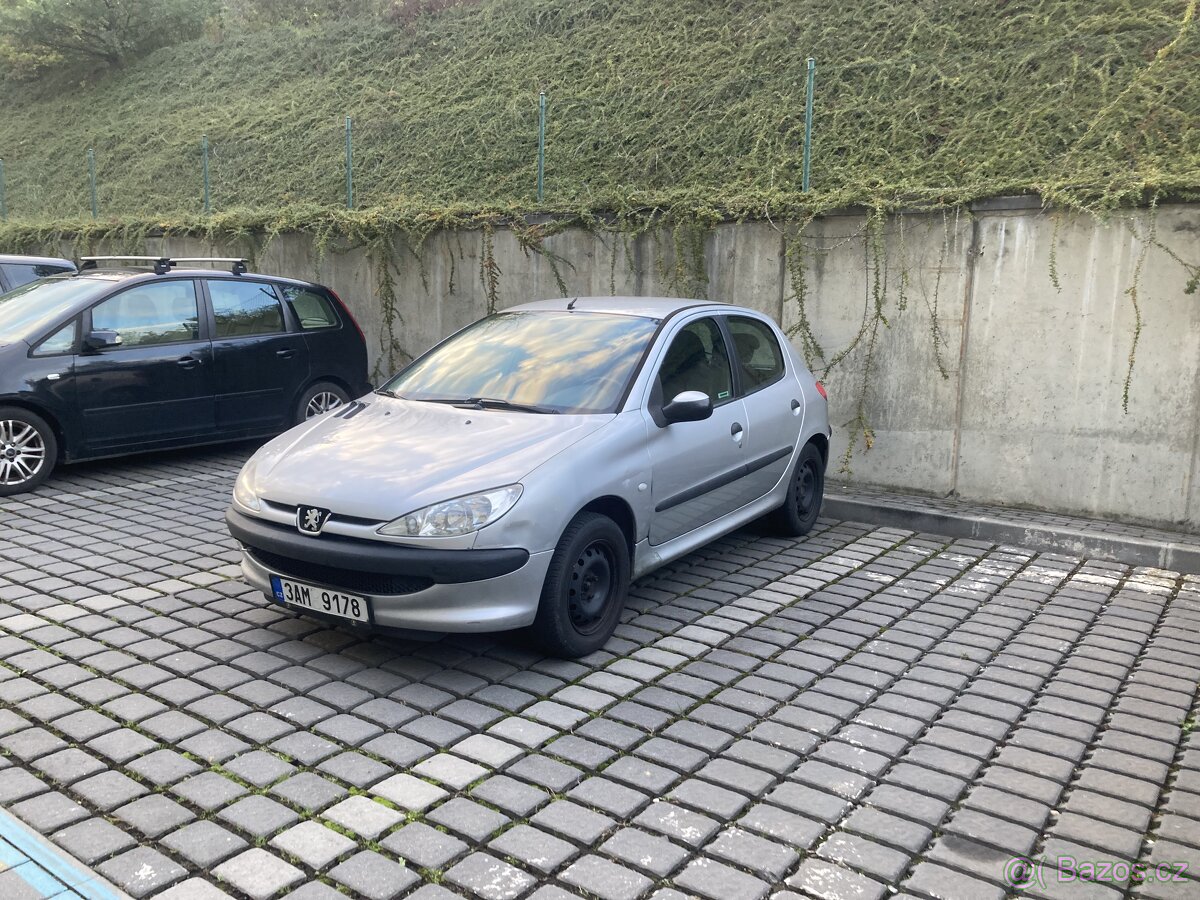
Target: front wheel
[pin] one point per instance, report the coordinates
(28, 450)
(320, 398)
(805, 492)
(585, 587)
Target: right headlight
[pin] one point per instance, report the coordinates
(459, 516)
(243, 488)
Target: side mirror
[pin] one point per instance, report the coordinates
(102, 340)
(689, 406)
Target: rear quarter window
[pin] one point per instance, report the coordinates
(313, 310)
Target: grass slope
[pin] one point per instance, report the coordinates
(650, 102)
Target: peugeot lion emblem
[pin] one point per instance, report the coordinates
(311, 519)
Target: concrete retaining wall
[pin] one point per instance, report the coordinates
(1029, 409)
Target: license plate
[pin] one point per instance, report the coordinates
(322, 600)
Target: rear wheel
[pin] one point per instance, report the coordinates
(320, 398)
(28, 450)
(806, 490)
(585, 587)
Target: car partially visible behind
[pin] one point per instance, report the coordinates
(18, 270)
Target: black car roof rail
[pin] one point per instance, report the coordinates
(163, 264)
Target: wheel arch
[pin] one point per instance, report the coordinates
(619, 511)
(821, 442)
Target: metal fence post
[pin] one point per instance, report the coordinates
(3, 198)
(541, 170)
(349, 167)
(91, 158)
(808, 117)
(204, 155)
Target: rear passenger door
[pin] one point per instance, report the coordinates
(259, 364)
(773, 399)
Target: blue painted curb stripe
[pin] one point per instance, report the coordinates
(45, 868)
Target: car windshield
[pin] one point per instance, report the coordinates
(567, 362)
(26, 311)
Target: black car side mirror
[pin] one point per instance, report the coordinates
(688, 406)
(102, 340)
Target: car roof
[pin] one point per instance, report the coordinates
(16, 259)
(648, 307)
(121, 273)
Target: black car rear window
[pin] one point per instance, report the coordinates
(312, 310)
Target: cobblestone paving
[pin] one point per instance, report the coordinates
(860, 713)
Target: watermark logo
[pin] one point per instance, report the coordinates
(1024, 872)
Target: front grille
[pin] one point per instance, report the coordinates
(344, 579)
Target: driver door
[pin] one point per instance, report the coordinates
(155, 389)
(697, 468)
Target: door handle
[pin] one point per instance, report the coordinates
(286, 353)
(735, 431)
(795, 405)
(187, 362)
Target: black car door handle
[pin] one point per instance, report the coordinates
(795, 404)
(285, 354)
(735, 429)
(187, 362)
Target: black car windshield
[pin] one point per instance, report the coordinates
(26, 311)
(568, 362)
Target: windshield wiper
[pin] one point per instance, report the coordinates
(386, 393)
(489, 403)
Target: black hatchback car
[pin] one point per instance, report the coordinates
(120, 360)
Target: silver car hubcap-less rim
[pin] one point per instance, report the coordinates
(322, 402)
(22, 452)
(591, 587)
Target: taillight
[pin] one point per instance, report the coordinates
(349, 315)
(821, 390)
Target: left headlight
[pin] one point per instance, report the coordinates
(243, 490)
(462, 515)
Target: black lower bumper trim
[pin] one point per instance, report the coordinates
(336, 551)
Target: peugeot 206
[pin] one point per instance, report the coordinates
(524, 470)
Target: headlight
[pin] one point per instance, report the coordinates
(462, 515)
(243, 492)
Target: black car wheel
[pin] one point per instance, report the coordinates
(585, 587)
(28, 450)
(320, 398)
(806, 490)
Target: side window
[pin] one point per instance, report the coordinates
(312, 310)
(697, 360)
(245, 308)
(759, 356)
(62, 341)
(162, 312)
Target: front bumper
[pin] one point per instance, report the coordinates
(427, 590)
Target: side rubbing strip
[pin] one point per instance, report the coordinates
(719, 481)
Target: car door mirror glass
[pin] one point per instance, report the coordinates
(102, 340)
(688, 406)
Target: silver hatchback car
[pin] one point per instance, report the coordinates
(526, 469)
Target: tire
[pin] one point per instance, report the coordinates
(806, 489)
(28, 450)
(319, 398)
(585, 587)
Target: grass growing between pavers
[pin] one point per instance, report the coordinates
(865, 708)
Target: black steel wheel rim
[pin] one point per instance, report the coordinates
(807, 481)
(590, 587)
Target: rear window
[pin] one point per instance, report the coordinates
(312, 310)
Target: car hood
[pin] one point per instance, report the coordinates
(397, 455)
